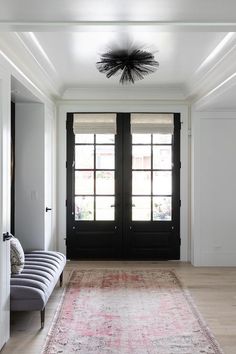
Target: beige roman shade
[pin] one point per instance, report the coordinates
(94, 123)
(152, 123)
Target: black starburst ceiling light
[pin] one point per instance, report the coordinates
(131, 64)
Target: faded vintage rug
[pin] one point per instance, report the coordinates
(128, 311)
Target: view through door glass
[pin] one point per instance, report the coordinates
(123, 186)
(94, 177)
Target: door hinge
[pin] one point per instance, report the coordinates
(65, 239)
(66, 164)
(180, 202)
(180, 164)
(66, 202)
(180, 241)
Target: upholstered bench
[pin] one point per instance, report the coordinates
(30, 290)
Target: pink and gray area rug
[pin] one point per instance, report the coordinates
(128, 311)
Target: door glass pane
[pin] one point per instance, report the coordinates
(141, 208)
(141, 182)
(84, 138)
(141, 138)
(162, 208)
(162, 157)
(141, 157)
(105, 157)
(84, 182)
(105, 138)
(105, 182)
(84, 208)
(162, 182)
(105, 208)
(84, 156)
(162, 138)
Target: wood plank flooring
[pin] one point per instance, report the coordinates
(213, 289)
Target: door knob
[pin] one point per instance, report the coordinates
(7, 236)
(47, 209)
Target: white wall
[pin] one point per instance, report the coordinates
(29, 175)
(124, 106)
(213, 188)
(50, 179)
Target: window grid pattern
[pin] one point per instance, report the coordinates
(99, 167)
(157, 212)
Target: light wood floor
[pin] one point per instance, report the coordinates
(213, 289)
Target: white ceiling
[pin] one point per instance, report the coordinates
(118, 10)
(190, 39)
(74, 55)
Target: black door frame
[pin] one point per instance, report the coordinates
(166, 230)
(122, 233)
(110, 232)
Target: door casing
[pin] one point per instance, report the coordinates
(5, 205)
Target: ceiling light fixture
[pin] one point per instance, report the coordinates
(132, 64)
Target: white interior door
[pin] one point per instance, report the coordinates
(4, 206)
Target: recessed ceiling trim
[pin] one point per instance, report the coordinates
(53, 85)
(217, 51)
(42, 51)
(114, 25)
(216, 73)
(124, 93)
(19, 71)
(228, 84)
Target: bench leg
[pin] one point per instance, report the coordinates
(61, 279)
(42, 314)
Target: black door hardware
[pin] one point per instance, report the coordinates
(7, 236)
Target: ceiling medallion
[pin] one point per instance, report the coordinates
(132, 64)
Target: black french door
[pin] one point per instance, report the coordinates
(123, 193)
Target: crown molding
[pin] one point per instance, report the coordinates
(12, 71)
(125, 93)
(47, 26)
(64, 107)
(19, 53)
(215, 95)
(211, 75)
(45, 65)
